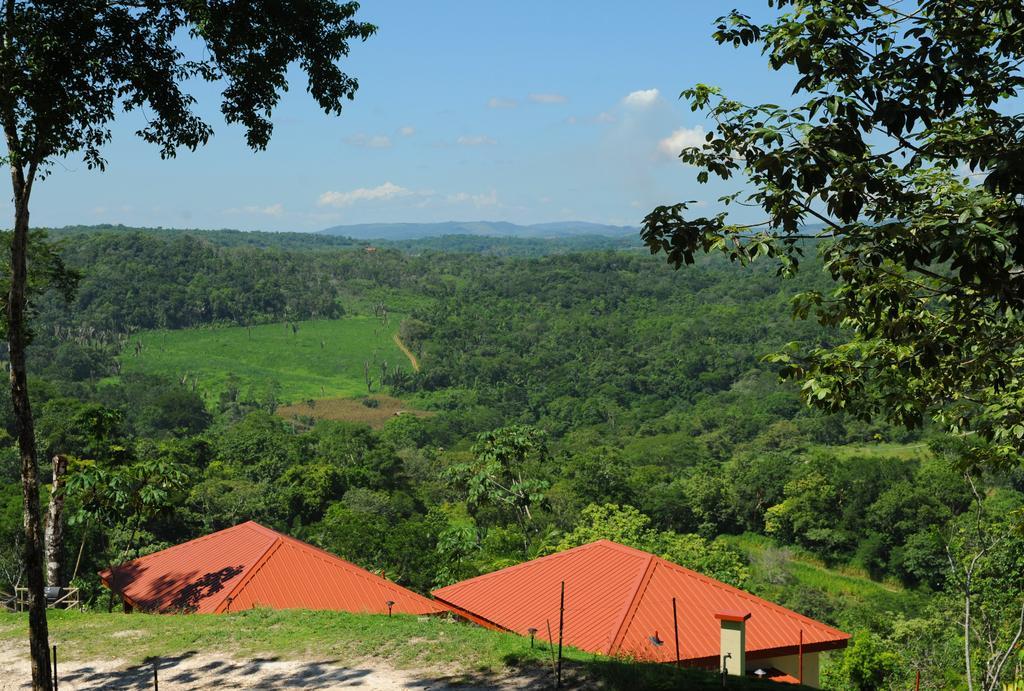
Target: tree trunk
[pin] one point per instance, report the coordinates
(17, 337)
(55, 525)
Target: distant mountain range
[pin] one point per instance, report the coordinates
(416, 231)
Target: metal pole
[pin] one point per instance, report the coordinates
(54, 668)
(156, 679)
(561, 623)
(675, 625)
(801, 679)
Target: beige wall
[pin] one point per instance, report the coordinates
(790, 664)
(733, 642)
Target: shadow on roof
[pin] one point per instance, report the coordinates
(182, 593)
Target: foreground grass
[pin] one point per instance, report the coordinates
(321, 359)
(437, 645)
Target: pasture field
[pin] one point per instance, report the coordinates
(298, 362)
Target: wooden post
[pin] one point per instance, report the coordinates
(551, 649)
(801, 657)
(675, 625)
(54, 668)
(561, 623)
(156, 679)
(917, 680)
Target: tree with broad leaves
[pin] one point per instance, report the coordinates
(68, 66)
(128, 494)
(503, 474)
(900, 160)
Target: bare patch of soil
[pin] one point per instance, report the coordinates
(351, 410)
(210, 671)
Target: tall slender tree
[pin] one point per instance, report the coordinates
(67, 67)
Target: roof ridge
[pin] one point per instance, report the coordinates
(617, 545)
(352, 568)
(633, 603)
(529, 562)
(749, 596)
(248, 574)
(514, 567)
(174, 548)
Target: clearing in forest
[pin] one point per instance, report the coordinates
(297, 361)
(352, 410)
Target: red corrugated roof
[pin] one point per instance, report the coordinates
(249, 565)
(617, 598)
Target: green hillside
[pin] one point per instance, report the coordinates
(317, 359)
(845, 594)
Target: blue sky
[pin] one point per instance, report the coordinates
(523, 111)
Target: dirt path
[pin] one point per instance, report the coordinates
(408, 353)
(211, 671)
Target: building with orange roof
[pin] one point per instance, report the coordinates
(249, 565)
(619, 602)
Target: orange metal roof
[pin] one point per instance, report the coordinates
(617, 598)
(776, 675)
(249, 565)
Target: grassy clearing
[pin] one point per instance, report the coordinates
(437, 644)
(811, 571)
(855, 597)
(351, 410)
(322, 359)
(905, 452)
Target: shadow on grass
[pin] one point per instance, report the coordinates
(623, 674)
(177, 673)
(192, 671)
(601, 673)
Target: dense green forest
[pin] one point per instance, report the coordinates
(569, 392)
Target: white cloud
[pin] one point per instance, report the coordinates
(407, 131)
(272, 210)
(474, 140)
(641, 99)
(605, 118)
(275, 210)
(682, 138)
(547, 98)
(477, 200)
(383, 192)
(501, 103)
(964, 170)
(374, 141)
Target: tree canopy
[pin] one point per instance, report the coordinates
(69, 68)
(901, 146)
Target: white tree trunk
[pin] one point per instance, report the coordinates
(55, 525)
